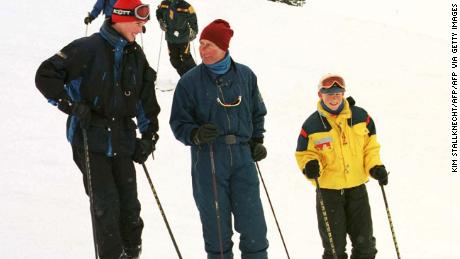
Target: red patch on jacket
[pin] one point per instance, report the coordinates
(303, 133)
(324, 143)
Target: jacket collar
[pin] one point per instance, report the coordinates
(227, 77)
(344, 114)
(221, 67)
(112, 36)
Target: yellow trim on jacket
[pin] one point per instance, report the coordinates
(345, 153)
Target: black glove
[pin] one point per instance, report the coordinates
(144, 29)
(311, 170)
(83, 113)
(192, 35)
(258, 150)
(163, 25)
(205, 134)
(144, 147)
(88, 19)
(380, 174)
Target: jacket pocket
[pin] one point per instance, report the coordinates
(360, 134)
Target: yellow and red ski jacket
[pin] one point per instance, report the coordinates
(345, 146)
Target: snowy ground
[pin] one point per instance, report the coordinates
(394, 57)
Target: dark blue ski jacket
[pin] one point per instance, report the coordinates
(114, 78)
(201, 97)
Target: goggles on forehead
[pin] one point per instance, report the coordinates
(141, 12)
(331, 81)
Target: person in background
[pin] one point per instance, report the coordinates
(218, 111)
(104, 6)
(177, 19)
(338, 147)
(102, 82)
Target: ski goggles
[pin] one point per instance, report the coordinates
(232, 104)
(332, 83)
(141, 12)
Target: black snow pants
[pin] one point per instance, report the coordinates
(180, 57)
(348, 212)
(117, 209)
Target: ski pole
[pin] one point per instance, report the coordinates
(326, 221)
(142, 41)
(273, 211)
(87, 25)
(390, 221)
(216, 201)
(159, 52)
(191, 41)
(90, 189)
(193, 47)
(161, 211)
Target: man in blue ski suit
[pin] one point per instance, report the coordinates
(102, 82)
(218, 111)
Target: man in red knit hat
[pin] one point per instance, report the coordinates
(102, 82)
(218, 111)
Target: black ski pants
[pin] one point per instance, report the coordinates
(348, 212)
(117, 209)
(180, 57)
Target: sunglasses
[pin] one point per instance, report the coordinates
(331, 81)
(233, 104)
(141, 12)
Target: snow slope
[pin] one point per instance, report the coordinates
(394, 57)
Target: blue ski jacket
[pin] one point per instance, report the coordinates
(202, 97)
(106, 6)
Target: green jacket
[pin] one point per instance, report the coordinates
(179, 17)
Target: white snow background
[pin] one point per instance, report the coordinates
(394, 56)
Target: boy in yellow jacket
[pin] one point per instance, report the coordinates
(338, 147)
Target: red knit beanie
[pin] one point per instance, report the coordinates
(219, 33)
(120, 9)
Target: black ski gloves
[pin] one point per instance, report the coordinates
(88, 19)
(205, 134)
(144, 147)
(379, 173)
(258, 150)
(311, 170)
(83, 113)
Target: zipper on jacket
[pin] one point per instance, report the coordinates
(218, 84)
(223, 99)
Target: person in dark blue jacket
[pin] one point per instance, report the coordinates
(102, 82)
(218, 110)
(104, 6)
